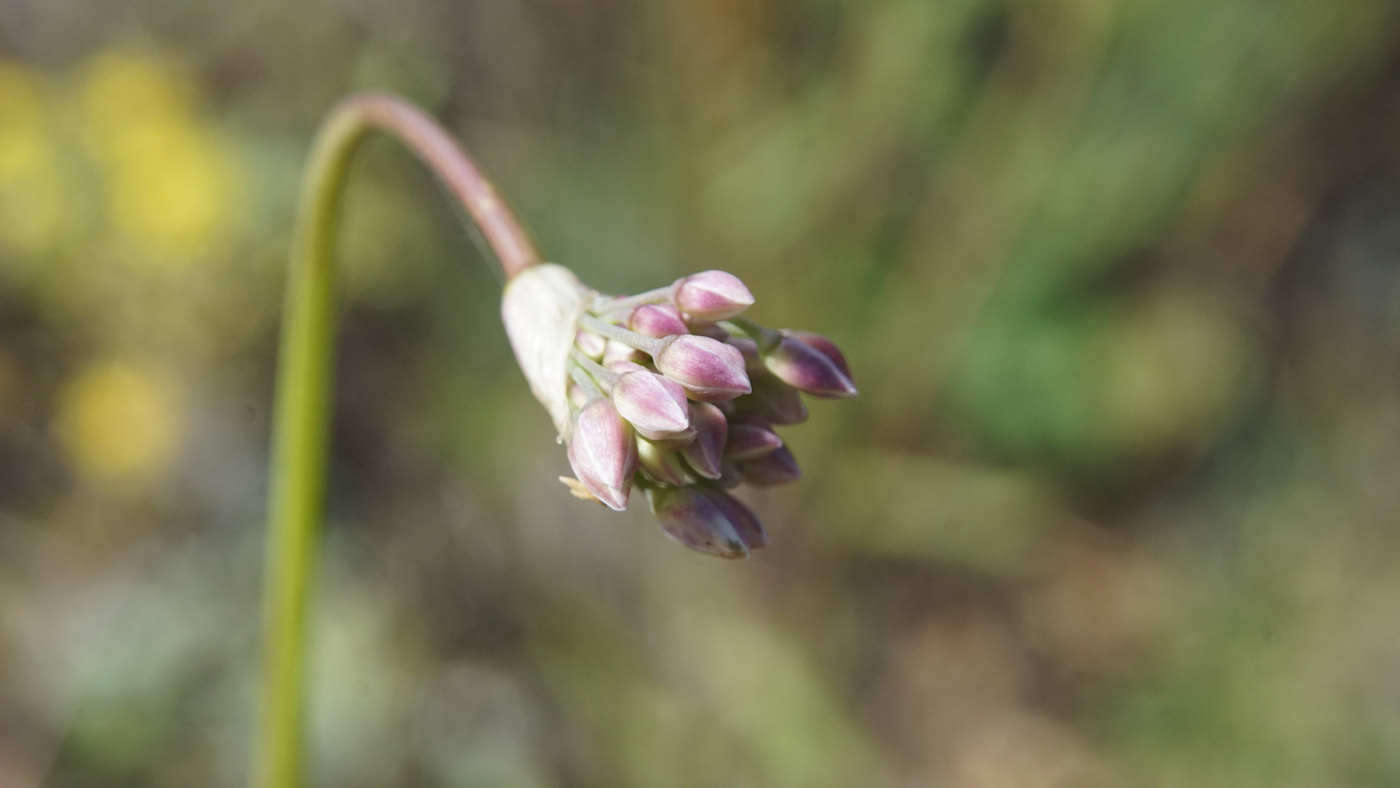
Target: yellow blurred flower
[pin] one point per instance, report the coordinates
(31, 190)
(120, 422)
(169, 178)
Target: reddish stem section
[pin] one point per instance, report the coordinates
(441, 153)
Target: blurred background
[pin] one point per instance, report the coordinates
(1117, 507)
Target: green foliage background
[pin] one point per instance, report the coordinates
(1117, 505)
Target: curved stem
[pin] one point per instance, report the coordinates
(301, 418)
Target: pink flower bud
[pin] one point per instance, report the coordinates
(712, 295)
(710, 371)
(603, 452)
(774, 400)
(750, 438)
(657, 320)
(706, 451)
(774, 468)
(655, 405)
(693, 518)
(590, 344)
(659, 465)
(803, 366)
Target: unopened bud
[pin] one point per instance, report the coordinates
(745, 522)
(707, 450)
(590, 344)
(660, 465)
(657, 320)
(655, 405)
(577, 396)
(617, 351)
(710, 371)
(712, 295)
(774, 400)
(692, 518)
(827, 348)
(603, 452)
(772, 469)
(750, 438)
(803, 366)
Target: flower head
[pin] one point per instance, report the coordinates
(672, 392)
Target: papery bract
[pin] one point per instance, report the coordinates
(541, 307)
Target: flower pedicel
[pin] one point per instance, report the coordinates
(671, 391)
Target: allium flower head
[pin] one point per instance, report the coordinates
(670, 391)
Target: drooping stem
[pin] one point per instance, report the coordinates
(301, 418)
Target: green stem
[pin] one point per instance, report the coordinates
(301, 419)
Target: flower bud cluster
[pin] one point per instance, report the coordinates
(672, 392)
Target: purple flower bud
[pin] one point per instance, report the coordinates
(617, 351)
(657, 320)
(827, 348)
(712, 295)
(590, 344)
(603, 452)
(774, 468)
(694, 519)
(750, 438)
(710, 371)
(803, 366)
(774, 400)
(660, 465)
(706, 451)
(745, 522)
(655, 405)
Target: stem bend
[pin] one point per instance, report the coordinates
(301, 417)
